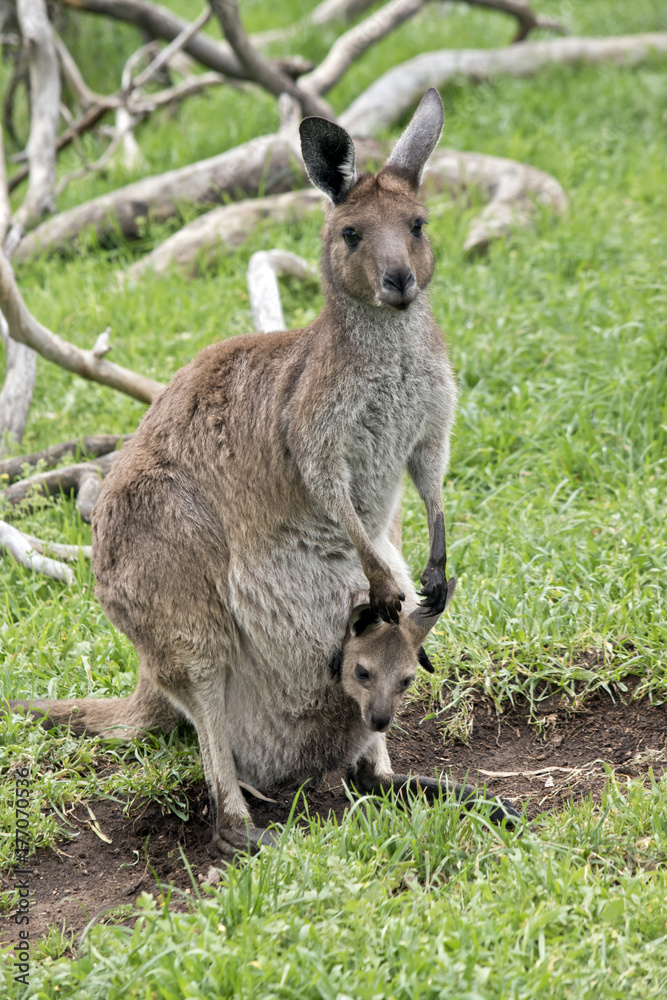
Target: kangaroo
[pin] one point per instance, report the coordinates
(255, 509)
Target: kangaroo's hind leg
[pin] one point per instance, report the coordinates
(202, 699)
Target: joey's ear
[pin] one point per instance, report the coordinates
(363, 617)
(329, 156)
(419, 139)
(424, 661)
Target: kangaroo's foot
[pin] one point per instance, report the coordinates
(368, 782)
(467, 795)
(241, 839)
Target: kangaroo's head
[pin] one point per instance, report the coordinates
(380, 660)
(374, 247)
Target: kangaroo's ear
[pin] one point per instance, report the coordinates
(419, 139)
(423, 660)
(330, 159)
(362, 618)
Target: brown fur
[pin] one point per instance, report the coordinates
(259, 500)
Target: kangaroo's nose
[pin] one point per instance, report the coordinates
(379, 722)
(398, 280)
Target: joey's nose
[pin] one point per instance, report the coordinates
(379, 722)
(400, 279)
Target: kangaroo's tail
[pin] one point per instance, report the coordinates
(121, 718)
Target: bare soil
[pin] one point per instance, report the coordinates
(539, 766)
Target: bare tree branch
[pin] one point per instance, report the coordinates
(354, 42)
(264, 268)
(514, 191)
(21, 547)
(44, 114)
(72, 74)
(25, 329)
(66, 480)
(527, 19)
(20, 367)
(69, 553)
(163, 57)
(266, 160)
(162, 23)
(17, 388)
(92, 447)
(394, 93)
(257, 67)
(195, 245)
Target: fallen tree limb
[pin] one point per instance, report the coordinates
(258, 68)
(159, 22)
(239, 170)
(44, 116)
(514, 191)
(354, 42)
(263, 291)
(68, 553)
(25, 329)
(20, 361)
(194, 246)
(66, 480)
(21, 547)
(92, 447)
(394, 93)
(527, 19)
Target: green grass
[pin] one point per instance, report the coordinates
(555, 512)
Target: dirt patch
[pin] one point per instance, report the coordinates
(539, 766)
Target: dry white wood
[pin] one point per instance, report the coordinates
(242, 168)
(514, 191)
(20, 361)
(399, 89)
(264, 268)
(194, 246)
(20, 547)
(25, 329)
(72, 74)
(259, 69)
(17, 388)
(164, 57)
(159, 22)
(44, 115)
(354, 42)
(68, 553)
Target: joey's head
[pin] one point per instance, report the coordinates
(380, 660)
(375, 249)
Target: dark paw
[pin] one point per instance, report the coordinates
(436, 590)
(242, 840)
(386, 602)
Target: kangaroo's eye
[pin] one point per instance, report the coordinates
(351, 236)
(417, 227)
(407, 681)
(361, 672)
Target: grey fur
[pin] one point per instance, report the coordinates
(257, 503)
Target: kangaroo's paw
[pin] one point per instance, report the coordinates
(241, 840)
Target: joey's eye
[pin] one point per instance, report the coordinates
(361, 672)
(417, 227)
(351, 236)
(407, 681)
